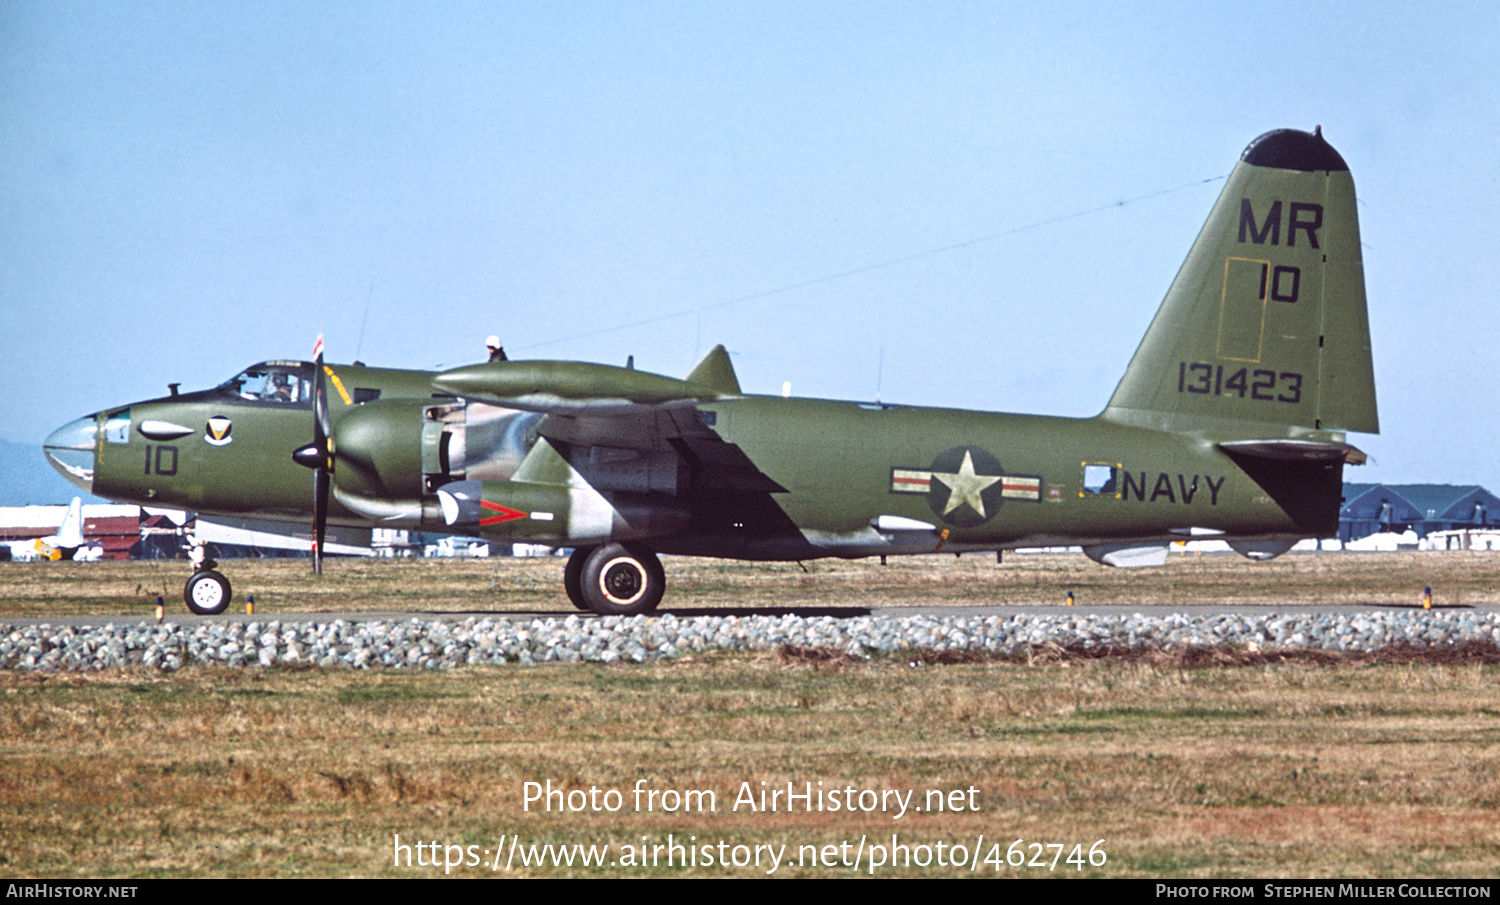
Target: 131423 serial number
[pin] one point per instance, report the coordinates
(1267, 386)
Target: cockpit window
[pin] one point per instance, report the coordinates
(276, 382)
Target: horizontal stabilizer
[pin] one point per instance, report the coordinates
(1296, 450)
(574, 387)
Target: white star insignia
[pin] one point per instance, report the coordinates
(966, 486)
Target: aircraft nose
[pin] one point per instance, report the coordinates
(70, 450)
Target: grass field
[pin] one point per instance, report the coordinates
(1308, 766)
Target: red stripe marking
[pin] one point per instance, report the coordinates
(508, 514)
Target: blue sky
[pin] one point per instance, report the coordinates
(188, 188)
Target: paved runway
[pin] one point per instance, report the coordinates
(238, 615)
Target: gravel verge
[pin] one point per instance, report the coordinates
(436, 644)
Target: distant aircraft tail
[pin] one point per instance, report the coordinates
(1263, 334)
(70, 534)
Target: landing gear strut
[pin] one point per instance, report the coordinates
(615, 579)
(207, 593)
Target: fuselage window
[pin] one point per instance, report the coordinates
(1101, 479)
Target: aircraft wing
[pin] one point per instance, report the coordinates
(624, 429)
(280, 535)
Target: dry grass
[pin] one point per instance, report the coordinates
(1283, 769)
(1197, 766)
(535, 585)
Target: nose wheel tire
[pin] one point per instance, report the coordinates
(621, 580)
(207, 593)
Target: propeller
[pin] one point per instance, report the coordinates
(318, 455)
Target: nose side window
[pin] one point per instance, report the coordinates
(117, 428)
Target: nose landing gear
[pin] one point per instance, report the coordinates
(207, 593)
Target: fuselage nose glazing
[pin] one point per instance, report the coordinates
(70, 450)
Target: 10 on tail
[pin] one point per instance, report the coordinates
(1264, 333)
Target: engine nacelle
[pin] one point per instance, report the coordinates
(437, 463)
(404, 449)
(377, 450)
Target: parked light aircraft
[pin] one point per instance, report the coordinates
(1230, 422)
(65, 544)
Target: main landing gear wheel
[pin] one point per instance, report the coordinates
(207, 593)
(573, 577)
(621, 580)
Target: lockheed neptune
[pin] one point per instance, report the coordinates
(1230, 422)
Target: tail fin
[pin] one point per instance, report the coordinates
(716, 371)
(70, 534)
(1264, 331)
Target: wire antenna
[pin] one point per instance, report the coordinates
(868, 268)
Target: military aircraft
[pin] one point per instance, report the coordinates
(1230, 422)
(65, 544)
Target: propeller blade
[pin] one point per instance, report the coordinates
(321, 481)
(320, 516)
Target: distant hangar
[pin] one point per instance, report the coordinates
(1424, 509)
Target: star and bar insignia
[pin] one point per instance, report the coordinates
(965, 485)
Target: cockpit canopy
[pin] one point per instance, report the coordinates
(277, 382)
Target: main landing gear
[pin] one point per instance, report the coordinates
(207, 593)
(614, 579)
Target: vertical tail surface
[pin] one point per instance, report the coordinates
(70, 534)
(1264, 331)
